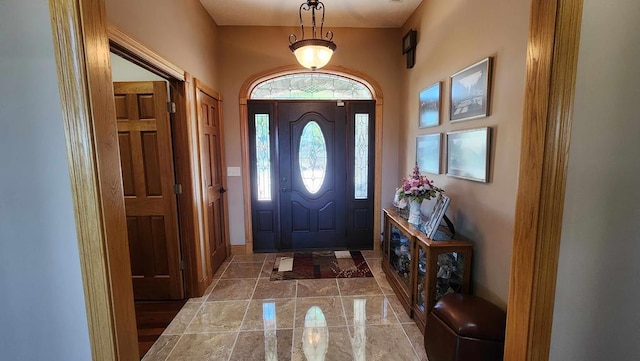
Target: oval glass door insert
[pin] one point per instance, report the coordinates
(312, 157)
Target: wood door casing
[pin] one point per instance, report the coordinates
(146, 158)
(213, 177)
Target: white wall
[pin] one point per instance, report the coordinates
(42, 310)
(124, 70)
(597, 313)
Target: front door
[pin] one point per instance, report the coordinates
(146, 159)
(212, 168)
(312, 175)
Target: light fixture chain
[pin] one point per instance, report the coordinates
(305, 7)
(313, 53)
(313, 18)
(321, 6)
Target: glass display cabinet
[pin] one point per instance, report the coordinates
(421, 270)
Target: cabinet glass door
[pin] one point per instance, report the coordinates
(422, 275)
(450, 274)
(400, 255)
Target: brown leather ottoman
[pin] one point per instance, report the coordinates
(465, 328)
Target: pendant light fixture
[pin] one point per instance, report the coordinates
(313, 53)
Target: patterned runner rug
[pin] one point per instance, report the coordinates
(322, 264)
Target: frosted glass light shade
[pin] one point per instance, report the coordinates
(313, 53)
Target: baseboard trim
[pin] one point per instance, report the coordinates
(238, 250)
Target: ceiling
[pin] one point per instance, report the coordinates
(338, 13)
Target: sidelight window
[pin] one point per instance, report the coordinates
(263, 157)
(361, 156)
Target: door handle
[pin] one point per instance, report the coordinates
(222, 190)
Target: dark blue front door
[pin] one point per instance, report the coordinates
(312, 175)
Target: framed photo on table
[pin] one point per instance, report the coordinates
(471, 91)
(430, 106)
(439, 208)
(428, 153)
(468, 154)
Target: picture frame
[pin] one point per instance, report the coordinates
(428, 149)
(470, 91)
(468, 154)
(429, 111)
(439, 209)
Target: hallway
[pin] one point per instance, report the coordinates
(364, 319)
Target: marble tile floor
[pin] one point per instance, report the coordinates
(245, 316)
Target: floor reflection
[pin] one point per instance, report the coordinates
(315, 338)
(243, 316)
(359, 339)
(270, 338)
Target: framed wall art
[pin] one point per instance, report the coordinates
(430, 106)
(471, 91)
(468, 154)
(428, 153)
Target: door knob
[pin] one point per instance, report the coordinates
(222, 190)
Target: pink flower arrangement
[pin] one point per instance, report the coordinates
(418, 187)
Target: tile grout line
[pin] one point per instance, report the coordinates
(187, 326)
(233, 347)
(396, 314)
(293, 331)
(386, 299)
(344, 313)
(410, 343)
(213, 285)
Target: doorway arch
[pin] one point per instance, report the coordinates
(245, 94)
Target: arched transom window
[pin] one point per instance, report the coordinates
(311, 86)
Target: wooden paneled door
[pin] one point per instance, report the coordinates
(211, 137)
(146, 158)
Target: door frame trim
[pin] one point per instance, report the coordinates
(552, 57)
(136, 52)
(81, 49)
(200, 86)
(245, 95)
(184, 133)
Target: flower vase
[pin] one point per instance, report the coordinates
(414, 212)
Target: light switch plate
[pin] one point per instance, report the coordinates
(233, 171)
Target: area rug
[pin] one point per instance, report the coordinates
(321, 264)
